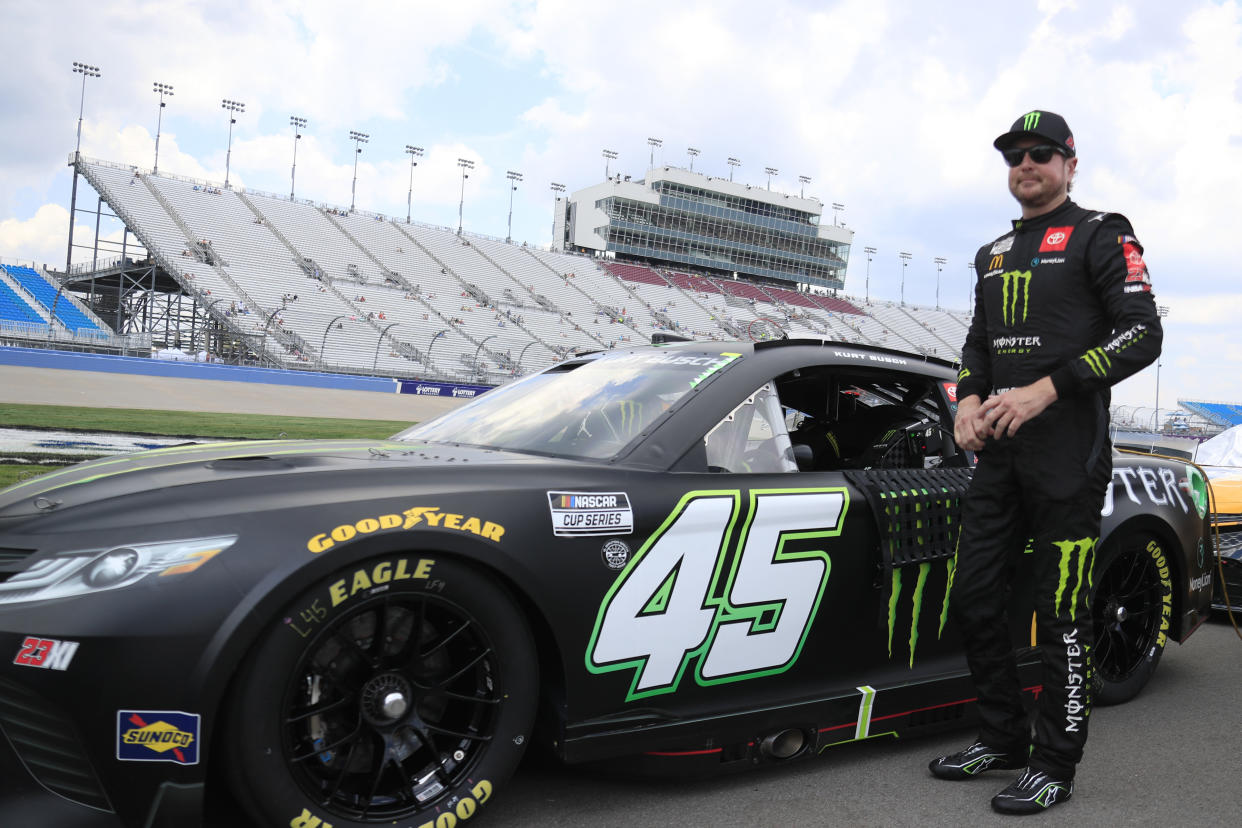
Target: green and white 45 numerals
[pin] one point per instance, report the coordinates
(686, 595)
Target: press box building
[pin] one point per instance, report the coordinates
(682, 219)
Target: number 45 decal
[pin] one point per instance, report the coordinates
(743, 610)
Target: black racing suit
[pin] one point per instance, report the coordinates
(1065, 295)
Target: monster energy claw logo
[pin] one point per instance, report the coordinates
(1084, 550)
(1015, 283)
(916, 611)
(1097, 361)
(1030, 120)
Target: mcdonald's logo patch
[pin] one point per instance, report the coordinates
(997, 263)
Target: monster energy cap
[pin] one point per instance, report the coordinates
(1038, 124)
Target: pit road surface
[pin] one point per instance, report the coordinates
(1169, 757)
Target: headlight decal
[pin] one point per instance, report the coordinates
(88, 571)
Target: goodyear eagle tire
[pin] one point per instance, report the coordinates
(1131, 610)
(400, 690)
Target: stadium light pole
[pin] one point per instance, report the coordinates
(803, 180)
(465, 164)
(609, 156)
(431, 343)
(375, 362)
(298, 125)
(160, 89)
(323, 343)
(970, 293)
(653, 143)
(940, 263)
(771, 171)
(836, 208)
(905, 260)
(693, 153)
(482, 342)
(522, 354)
(359, 138)
(86, 71)
(733, 163)
(413, 152)
(557, 189)
(233, 108)
(514, 178)
(1163, 311)
(870, 251)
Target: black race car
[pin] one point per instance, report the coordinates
(696, 554)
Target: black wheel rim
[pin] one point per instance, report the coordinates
(390, 707)
(1126, 614)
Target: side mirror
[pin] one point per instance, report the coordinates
(803, 456)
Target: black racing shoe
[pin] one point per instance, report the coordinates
(1033, 792)
(975, 760)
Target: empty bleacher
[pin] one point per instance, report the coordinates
(318, 286)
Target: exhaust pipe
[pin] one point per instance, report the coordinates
(782, 744)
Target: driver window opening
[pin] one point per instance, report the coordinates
(822, 418)
(863, 420)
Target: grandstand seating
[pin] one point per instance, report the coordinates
(417, 300)
(1218, 413)
(67, 311)
(13, 308)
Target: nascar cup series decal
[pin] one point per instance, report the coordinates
(157, 736)
(590, 513)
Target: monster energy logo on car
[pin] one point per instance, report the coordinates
(1097, 361)
(917, 602)
(1030, 120)
(1084, 550)
(1013, 284)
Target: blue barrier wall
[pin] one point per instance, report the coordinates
(108, 363)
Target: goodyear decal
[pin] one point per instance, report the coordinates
(426, 516)
(157, 736)
(590, 513)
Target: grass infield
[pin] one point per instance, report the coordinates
(187, 424)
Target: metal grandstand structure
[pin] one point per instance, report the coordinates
(260, 278)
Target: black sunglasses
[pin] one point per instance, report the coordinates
(1040, 154)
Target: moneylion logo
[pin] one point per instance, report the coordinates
(1015, 284)
(1030, 120)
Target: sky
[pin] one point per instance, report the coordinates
(889, 106)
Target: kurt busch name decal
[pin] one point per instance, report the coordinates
(577, 514)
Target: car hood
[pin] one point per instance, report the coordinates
(224, 463)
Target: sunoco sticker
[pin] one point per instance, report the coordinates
(157, 736)
(590, 513)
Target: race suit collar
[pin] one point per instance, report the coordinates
(1046, 218)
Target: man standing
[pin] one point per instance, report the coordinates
(1063, 310)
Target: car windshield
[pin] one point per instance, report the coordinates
(588, 408)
